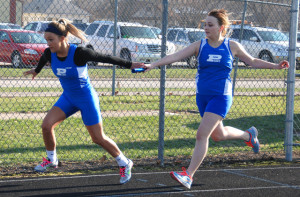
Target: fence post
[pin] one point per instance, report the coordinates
(115, 48)
(288, 141)
(240, 39)
(162, 84)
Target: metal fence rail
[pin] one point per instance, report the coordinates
(151, 115)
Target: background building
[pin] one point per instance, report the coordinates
(11, 11)
(48, 10)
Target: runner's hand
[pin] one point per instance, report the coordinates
(283, 65)
(137, 65)
(30, 72)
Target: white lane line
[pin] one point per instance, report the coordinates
(178, 189)
(188, 194)
(260, 179)
(142, 180)
(135, 174)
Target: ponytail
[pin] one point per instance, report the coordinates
(65, 26)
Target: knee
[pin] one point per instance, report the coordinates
(219, 135)
(98, 140)
(200, 136)
(47, 127)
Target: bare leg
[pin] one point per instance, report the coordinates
(208, 124)
(98, 137)
(52, 119)
(222, 133)
(212, 125)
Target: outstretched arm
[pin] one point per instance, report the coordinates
(42, 62)
(84, 55)
(175, 57)
(239, 51)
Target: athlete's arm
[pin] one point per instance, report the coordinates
(188, 51)
(239, 51)
(83, 55)
(46, 57)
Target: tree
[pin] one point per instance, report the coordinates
(99, 9)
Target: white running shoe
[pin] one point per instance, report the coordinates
(183, 178)
(45, 165)
(125, 172)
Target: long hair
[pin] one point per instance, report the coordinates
(222, 17)
(66, 27)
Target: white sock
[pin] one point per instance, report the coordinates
(121, 160)
(51, 155)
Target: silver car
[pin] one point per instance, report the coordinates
(265, 43)
(41, 26)
(183, 37)
(134, 41)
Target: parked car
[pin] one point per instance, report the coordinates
(81, 26)
(265, 43)
(21, 47)
(183, 37)
(38, 26)
(134, 41)
(9, 26)
(157, 31)
(298, 36)
(286, 33)
(41, 26)
(15, 26)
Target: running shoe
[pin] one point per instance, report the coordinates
(45, 165)
(253, 141)
(125, 172)
(183, 178)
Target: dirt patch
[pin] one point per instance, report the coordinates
(151, 164)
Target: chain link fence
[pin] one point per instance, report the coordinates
(152, 117)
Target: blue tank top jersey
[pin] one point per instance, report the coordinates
(74, 79)
(214, 68)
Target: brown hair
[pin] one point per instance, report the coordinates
(222, 18)
(66, 27)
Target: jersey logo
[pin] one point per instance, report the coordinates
(214, 58)
(61, 71)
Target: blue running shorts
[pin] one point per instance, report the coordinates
(217, 104)
(87, 104)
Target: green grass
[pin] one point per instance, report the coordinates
(108, 91)
(99, 90)
(155, 73)
(137, 137)
(257, 104)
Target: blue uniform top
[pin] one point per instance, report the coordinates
(215, 65)
(74, 79)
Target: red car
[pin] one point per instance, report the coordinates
(21, 47)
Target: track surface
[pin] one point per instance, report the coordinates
(254, 182)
